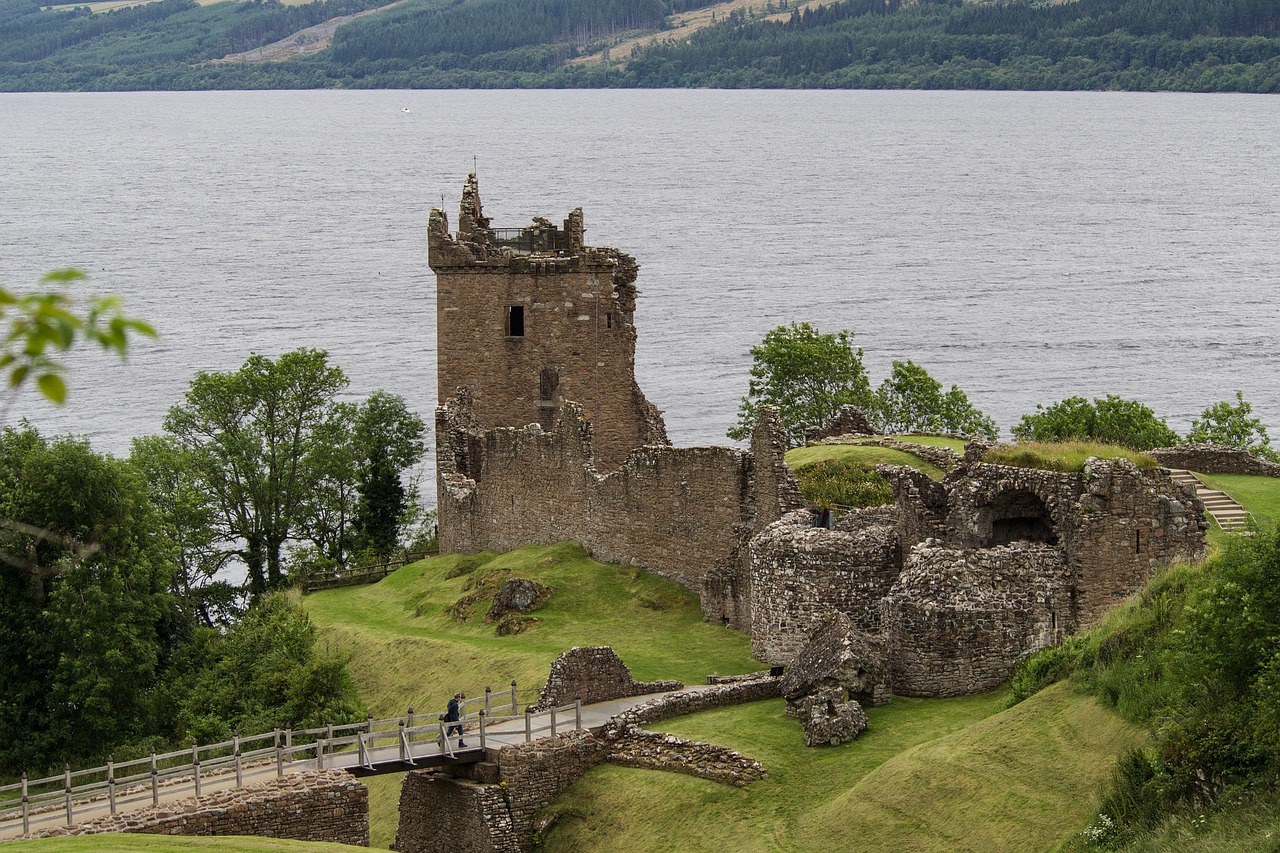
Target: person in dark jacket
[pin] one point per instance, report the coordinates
(453, 714)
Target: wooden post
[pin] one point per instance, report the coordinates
(528, 725)
(26, 807)
(111, 782)
(279, 762)
(411, 725)
(288, 740)
(482, 716)
(319, 753)
(404, 744)
(276, 742)
(66, 787)
(488, 698)
(362, 754)
(235, 745)
(155, 780)
(553, 721)
(195, 763)
(513, 697)
(368, 724)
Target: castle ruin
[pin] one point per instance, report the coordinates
(543, 435)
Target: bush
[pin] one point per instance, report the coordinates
(842, 482)
(1109, 419)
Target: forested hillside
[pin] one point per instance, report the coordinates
(1180, 45)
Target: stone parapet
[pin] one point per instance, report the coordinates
(594, 674)
(1214, 459)
(655, 751)
(692, 700)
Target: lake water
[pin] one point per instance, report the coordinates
(1026, 246)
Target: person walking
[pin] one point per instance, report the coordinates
(453, 714)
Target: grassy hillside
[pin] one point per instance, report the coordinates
(946, 775)
(1259, 495)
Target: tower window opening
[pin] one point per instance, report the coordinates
(608, 320)
(515, 321)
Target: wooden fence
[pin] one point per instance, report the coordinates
(369, 573)
(366, 745)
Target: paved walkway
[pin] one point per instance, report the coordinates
(1224, 508)
(424, 751)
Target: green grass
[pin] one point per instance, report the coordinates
(868, 456)
(1243, 821)
(128, 843)
(1068, 456)
(955, 444)
(406, 648)
(941, 774)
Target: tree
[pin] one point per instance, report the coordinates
(87, 619)
(41, 323)
(1232, 426)
(1110, 419)
(911, 400)
(390, 439)
(807, 375)
(255, 435)
(190, 519)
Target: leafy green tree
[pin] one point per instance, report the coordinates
(1233, 426)
(390, 439)
(42, 324)
(88, 619)
(807, 375)
(1110, 419)
(911, 400)
(254, 436)
(190, 519)
(264, 671)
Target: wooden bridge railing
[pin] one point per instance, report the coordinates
(132, 781)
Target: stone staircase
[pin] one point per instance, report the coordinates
(1224, 509)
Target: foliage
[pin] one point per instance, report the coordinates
(843, 482)
(1232, 426)
(1110, 420)
(87, 619)
(1197, 659)
(1069, 456)
(868, 456)
(264, 671)
(40, 324)
(911, 400)
(807, 375)
(254, 436)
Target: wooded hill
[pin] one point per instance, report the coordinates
(1144, 45)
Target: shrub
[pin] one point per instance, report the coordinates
(842, 482)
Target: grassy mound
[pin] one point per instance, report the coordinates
(939, 774)
(865, 456)
(1067, 456)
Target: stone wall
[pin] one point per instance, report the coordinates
(801, 573)
(594, 674)
(655, 751)
(440, 814)
(694, 699)
(682, 513)
(574, 338)
(321, 805)
(1214, 459)
(958, 620)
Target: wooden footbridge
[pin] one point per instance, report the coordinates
(366, 748)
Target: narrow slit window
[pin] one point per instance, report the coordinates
(515, 321)
(608, 320)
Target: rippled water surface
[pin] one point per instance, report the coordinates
(1026, 246)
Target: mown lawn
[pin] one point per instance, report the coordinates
(1259, 495)
(940, 774)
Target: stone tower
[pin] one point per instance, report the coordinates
(528, 318)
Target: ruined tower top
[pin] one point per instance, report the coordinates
(529, 318)
(479, 243)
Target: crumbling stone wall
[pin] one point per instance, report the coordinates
(594, 674)
(801, 573)
(321, 805)
(655, 751)
(439, 814)
(683, 513)
(1214, 459)
(572, 336)
(958, 620)
(694, 699)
